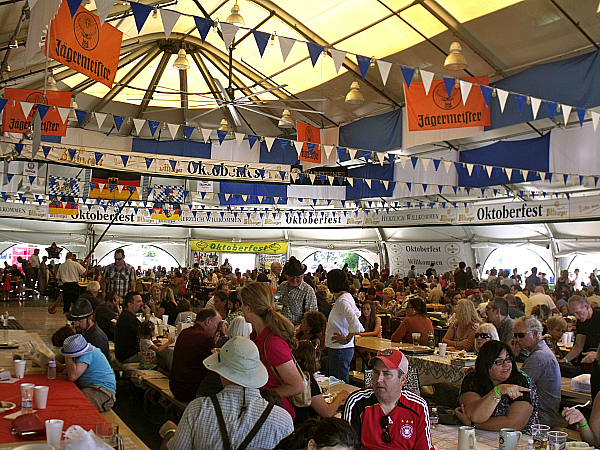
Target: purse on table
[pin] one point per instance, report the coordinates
(29, 426)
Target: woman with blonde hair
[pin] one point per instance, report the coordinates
(485, 332)
(274, 336)
(461, 333)
(164, 297)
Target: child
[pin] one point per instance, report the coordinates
(147, 348)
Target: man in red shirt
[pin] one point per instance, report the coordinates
(385, 416)
(385, 273)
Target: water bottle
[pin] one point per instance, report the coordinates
(434, 419)
(51, 369)
(430, 340)
(27, 401)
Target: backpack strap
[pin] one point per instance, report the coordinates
(221, 421)
(257, 426)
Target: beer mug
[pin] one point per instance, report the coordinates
(509, 439)
(109, 433)
(466, 438)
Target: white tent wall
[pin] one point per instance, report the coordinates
(483, 251)
(304, 251)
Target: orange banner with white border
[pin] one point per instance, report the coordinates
(13, 117)
(308, 133)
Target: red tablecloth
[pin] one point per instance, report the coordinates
(65, 401)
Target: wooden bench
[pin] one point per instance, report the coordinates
(161, 385)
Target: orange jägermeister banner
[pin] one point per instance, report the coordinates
(13, 117)
(308, 133)
(83, 45)
(437, 111)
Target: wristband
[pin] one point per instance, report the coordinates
(566, 360)
(455, 344)
(147, 315)
(584, 425)
(497, 391)
(172, 430)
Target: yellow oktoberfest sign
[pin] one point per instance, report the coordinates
(268, 247)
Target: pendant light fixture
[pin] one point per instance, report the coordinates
(286, 120)
(51, 84)
(224, 126)
(181, 62)
(235, 18)
(455, 59)
(354, 96)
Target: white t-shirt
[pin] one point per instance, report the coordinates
(343, 320)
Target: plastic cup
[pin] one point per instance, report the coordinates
(41, 396)
(416, 337)
(566, 339)
(54, 432)
(165, 319)
(20, 368)
(557, 440)
(443, 346)
(539, 433)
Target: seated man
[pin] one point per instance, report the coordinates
(90, 370)
(240, 405)
(127, 343)
(193, 345)
(106, 312)
(385, 416)
(82, 316)
(92, 294)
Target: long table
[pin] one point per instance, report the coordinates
(446, 437)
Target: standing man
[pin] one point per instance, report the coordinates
(541, 366)
(119, 276)
(431, 272)
(540, 298)
(412, 273)
(497, 313)
(533, 278)
(127, 343)
(34, 263)
(82, 317)
(68, 274)
(297, 296)
(274, 274)
(374, 273)
(461, 276)
(385, 416)
(385, 273)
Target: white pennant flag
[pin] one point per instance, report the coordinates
(386, 183)
(384, 69)
(338, 57)
(403, 160)
(229, 30)
(312, 177)
(269, 141)
(330, 179)
(350, 181)
(138, 123)
(64, 113)
(285, 44)
(502, 96)
(425, 162)
(535, 106)
(26, 107)
(525, 174)
(173, 128)
(595, 119)
(381, 157)
(239, 137)
(275, 199)
(542, 175)
(244, 197)
(298, 145)
(448, 164)
(294, 176)
(33, 2)
(490, 169)
(227, 196)
(120, 188)
(101, 186)
(205, 134)
(465, 89)
(99, 119)
(169, 19)
(508, 173)
(328, 149)
(208, 196)
(470, 168)
(368, 182)
(103, 8)
(566, 110)
(352, 152)
(427, 78)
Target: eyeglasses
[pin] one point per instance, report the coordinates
(118, 259)
(385, 424)
(483, 335)
(501, 362)
(519, 335)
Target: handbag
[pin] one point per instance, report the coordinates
(304, 398)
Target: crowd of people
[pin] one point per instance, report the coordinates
(241, 360)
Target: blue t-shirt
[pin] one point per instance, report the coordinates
(98, 373)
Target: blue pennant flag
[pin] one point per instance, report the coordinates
(455, 189)
(262, 39)
(221, 134)
(363, 64)
(196, 166)
(153, 125)
(31, 180)
(118, 121)
(19, 148)
(409, 186)
(566, 177)
(468, 190)
(552, 109)
(424, 188)
(173, 164)
(203, 25)
(596, 181)
(436, 164)
(140, 14)
(581, 179)
(341, 151)
(73, 6)
(520, 101)
(449, 83)
(486, 92)
(262, 173)
(315, 51)
(5, 196)
(93, 186)
(407, 73)
(322, 177)
(46, 149)
(2, 103)
(98, 157)
(125, 159)
(149, 162)
(81, 115)
(581, 115)
(131, 189)
(112, 187)
(311, 148)
(43, 110)
(252, 139)
(341, 181)
(208, 214)
(282, 174)
(148, 191)
(414, 160)
(187, 131)
(72, 153)
(301, 176)
(483, 192)
(549, 177)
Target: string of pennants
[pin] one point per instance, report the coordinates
(352, 181)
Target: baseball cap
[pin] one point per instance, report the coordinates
(392, 358)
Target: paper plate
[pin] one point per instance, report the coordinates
(7, 406)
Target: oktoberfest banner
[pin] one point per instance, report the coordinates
(311, 150)
(438, 110)
(13, 116)
(269, 247)
(82, 44)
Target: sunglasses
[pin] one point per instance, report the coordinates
(483, 335)
(501, 362)
(118, 259)
(385, 435)
(519, 335)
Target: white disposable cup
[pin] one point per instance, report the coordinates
(165, 319)
(443, 346)
(41, 396)
(54, 432)
(27, 387)
(20, 368)
(566, 339)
